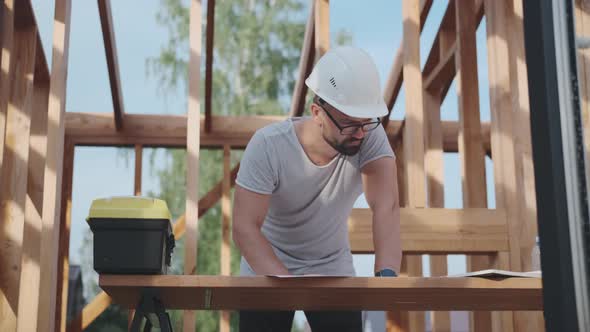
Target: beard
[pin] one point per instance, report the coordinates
(348, 146)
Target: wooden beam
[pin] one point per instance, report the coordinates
(439, 70)
(53, 165)
(13, 195)
(138, 170)
(6, 66)
(192, 152)
(471, 154)
(413, 132)
(108, 34)
(525, 175)
(396, 75)
(30, 273)
(63, 261)
(96, 129)
(210, 27)
(305, 65)
(436, 230)
(433, 160)
(321, 28)
(261, 292)
(225, 262)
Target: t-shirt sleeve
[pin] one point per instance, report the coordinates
(257, 172)
(375, 146)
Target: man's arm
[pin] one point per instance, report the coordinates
(249, 212)
(381, 191)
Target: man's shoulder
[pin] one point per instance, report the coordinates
(275, 130)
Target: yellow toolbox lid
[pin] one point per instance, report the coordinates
(129, 207)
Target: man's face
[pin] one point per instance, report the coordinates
(338, 131)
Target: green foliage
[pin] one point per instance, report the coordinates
(256, 54)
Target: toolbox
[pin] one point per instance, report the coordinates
(132, 235)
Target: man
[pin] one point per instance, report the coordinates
(299, 179)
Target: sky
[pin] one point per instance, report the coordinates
(376, 26)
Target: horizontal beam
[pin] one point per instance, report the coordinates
(97, 129)
(327, 293)
(437, 230)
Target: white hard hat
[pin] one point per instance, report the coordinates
(347, 78)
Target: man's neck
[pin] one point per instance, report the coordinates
(314, 145)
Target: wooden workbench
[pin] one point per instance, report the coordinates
(232, 293)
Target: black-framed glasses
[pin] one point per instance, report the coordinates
(349, 130)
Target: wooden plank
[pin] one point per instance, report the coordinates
(582, 21)
(13, 195)
(110, 47)
(440, 320)
(53, 166)
(6, 66)
(210, 31)
(436, 230)
(413, 131)
(321, 28)
(192, 153)
(225, 230)
(63, 260)
(138, 170)
(305, 65)
(30, 273)
(261, 292)
(471, 152)
(395, 78)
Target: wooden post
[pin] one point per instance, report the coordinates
(441, 320)
(138, 169)
(322, 27)
(582, 17)
(6, 66)
(192, 153)
(471, 152)
(396, 320)
(413, 132)
(13, 194)
(63, 262)
(528, 321)
(225, 229)
(503, 146)
(53, 166)
(31, 255)
(305, 65)
(136, 192)
(210, 30)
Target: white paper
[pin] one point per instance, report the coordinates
(493, 273)
(305, 276)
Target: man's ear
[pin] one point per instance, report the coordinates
(315, 113)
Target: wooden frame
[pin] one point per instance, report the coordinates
(505, 234)
(108, 33)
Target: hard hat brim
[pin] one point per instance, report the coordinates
(359, 111)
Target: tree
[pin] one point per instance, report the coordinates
(256, 54)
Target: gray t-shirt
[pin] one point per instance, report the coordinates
(306, 223)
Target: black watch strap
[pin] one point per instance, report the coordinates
(386, 273)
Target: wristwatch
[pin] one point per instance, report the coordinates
(386, 273)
